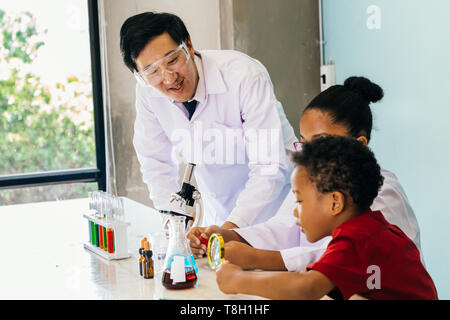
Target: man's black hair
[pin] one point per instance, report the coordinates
(348, 104)
(137, 31)
(344, 164)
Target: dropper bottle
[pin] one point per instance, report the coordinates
(148, 261)
(141, 256)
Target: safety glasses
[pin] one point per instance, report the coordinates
(153, 74)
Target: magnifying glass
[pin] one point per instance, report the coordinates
(216, 250)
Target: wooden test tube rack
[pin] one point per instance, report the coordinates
(120, 237)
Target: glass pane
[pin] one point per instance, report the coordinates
(47, 193)
(46, 105)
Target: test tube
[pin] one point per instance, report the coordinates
(91, 203)
(113, 243)
(121, 209)
(98, 204)
(97, 238)
(116, 208)
(105, 205)
(93, 240)
(94, 200)
(90, 231)
(102, 204)
(100, 234)
(105, 241)
(110, 240)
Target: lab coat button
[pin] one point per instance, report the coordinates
(213, 195)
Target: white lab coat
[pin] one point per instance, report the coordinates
(236, 96)
(282, 234)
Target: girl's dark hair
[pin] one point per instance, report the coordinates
(344, 164)
(348, 104)
(138, 30)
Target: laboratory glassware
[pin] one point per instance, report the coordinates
(179, 265)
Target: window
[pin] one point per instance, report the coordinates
(51, 108)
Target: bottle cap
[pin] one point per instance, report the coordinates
(146, 246)
(143, 241)
(148, 254)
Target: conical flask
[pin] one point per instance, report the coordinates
(179, 267)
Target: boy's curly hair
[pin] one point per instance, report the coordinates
(338, 163)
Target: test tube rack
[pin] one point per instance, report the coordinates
(119, 239)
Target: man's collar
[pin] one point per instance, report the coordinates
(210, 79)
(214, 83)
(200, 94)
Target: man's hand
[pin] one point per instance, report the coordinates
(227, 277)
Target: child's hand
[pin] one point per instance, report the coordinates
(226, 277)
(240, 254)
(199, 249)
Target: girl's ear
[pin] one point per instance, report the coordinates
(363, 139)
(338, 202)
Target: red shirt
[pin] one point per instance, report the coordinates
(375, 259)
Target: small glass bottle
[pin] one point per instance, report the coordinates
(148, 261)
(141, 256)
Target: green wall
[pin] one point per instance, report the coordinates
(407, 52)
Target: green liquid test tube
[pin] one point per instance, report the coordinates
(105, 240)
(92, 228)
(97, 237)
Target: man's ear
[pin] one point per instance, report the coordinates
(189, 45)
(362, 139)
(337, 203)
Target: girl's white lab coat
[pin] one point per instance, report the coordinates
(235, 97)
(282, 234)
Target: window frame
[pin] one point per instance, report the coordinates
(97, 174)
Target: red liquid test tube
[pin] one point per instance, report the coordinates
(100, 231)
(110, 240)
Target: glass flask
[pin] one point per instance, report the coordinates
(179, 265)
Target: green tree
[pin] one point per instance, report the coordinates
(42, 127)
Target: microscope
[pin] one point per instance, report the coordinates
(189, 196)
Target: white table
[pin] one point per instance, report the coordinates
(42, 256)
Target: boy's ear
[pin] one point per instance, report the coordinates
(362, 139)
(338, 202)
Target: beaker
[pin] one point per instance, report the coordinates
(179, 269)
(159, 242)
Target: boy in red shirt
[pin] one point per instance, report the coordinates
(335, 182)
